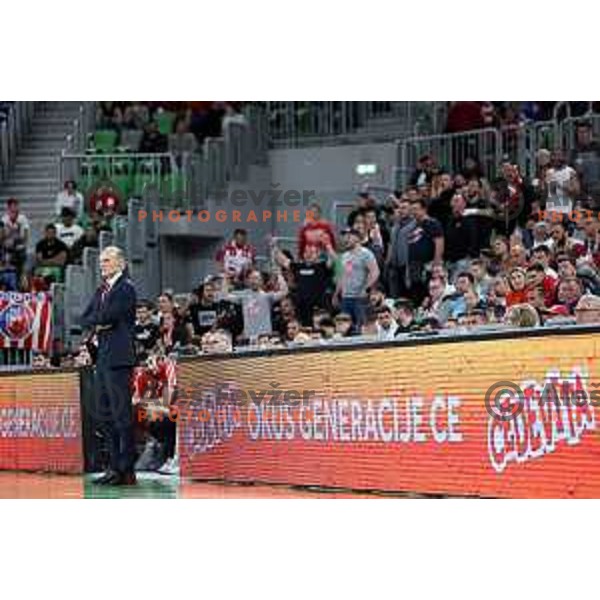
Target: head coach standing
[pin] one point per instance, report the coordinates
(110, 315)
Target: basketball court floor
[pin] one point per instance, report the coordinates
(32, 485)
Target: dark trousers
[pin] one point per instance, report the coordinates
(396, 282)
(414, 289)
(113, 394)
(165, 431)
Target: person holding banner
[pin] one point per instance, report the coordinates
(110, 316)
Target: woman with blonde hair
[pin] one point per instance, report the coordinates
(522, 315)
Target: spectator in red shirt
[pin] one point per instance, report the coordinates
(316, 231)
(536, 277)
(104, 201)
(536, 298)
(518, 292)
(464, 116)
(236, 259)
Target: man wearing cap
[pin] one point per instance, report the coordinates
(359, 274)
(541, 235)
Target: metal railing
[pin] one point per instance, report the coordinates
(128, 174)
(235, 137)
(83, 125)
(451, 150)
(183, 181)
(258, 134)
(295, 124)
(14, 125)
(491, 146)
(15, 359)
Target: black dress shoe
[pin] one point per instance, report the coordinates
(123, 479)
(105, 479)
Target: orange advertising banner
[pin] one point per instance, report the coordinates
(40, 422)
(402, 418)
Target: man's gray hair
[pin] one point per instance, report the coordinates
(114, 252)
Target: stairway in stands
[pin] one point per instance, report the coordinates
(34, 180)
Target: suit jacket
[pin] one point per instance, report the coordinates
(116, 316)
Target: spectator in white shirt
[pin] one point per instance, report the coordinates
(386, 324)
(67, 230)
(541, 235)
(562, 183)
(70, 198)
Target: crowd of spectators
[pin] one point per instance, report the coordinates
(469, 115)
(452, 253)
(72, 228)
(452, 249)
(176, 127)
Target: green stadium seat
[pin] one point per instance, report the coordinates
(105, 140)
(173, 185)
(165, 122)
(56, 273)
(84, 183)
(123, 183)
(141, 180)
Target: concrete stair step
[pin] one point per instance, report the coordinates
(26, 167)
(43, 205)
(35, 177)
(49, 147)
(36, 152)
(44, 198)
(31, 187)
(17, 190)
(23, 160)
(28, 187)
(59, 108)
(27, 172)
(56, 117)
(54, 123)
(45, 135)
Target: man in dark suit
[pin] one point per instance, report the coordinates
(111, 316)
